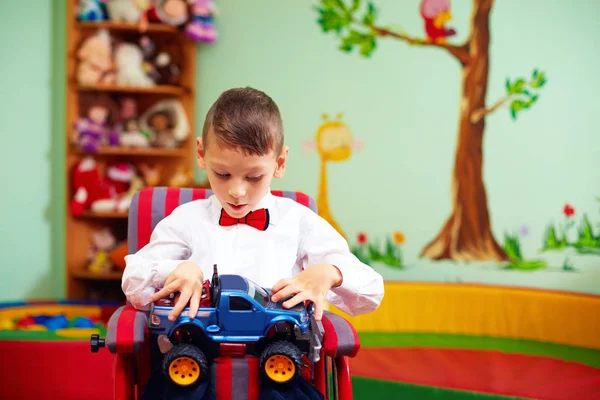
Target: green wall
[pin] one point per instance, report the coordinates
(402, 103)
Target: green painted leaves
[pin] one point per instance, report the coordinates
(523, 93)
(352, 25)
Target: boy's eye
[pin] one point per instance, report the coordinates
(222, 176)
(254, 178)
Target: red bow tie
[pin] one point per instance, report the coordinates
(258, 219)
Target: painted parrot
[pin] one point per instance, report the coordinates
(436, 13)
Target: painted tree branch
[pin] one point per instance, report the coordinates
(477, 115)
(460, 52)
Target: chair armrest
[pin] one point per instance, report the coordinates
(340, 338)
(126, 330)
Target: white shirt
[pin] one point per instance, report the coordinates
(295, 238)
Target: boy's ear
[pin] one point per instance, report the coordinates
(200, 153)
(281, 160)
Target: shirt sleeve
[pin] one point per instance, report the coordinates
(148, 269)
(361, 290)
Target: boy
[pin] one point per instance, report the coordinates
(291, 250)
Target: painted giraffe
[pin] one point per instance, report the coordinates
(334, 144)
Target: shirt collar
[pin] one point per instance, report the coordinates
(268, 202)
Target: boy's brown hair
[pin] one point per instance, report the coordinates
(247, 119)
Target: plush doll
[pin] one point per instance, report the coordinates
(201, 27)
(103, 242)
(95, 60)
(130, 66)
(95, 128)
(91, 10)
(167, 123)
(123, 10)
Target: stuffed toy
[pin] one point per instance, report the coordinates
(88, 187)
(151, 175)
(95, 128)
(201, 26)
(95, 60)
(91, 10)
(103, 242)
(123, 10)
(130, 66)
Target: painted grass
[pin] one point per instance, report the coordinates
(585, 356)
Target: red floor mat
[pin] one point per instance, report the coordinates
(481, 371)
(65, 370)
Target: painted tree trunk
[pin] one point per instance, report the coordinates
(466, 234)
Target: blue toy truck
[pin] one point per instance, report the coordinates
(236, 315)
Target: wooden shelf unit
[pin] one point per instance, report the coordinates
(80, 282)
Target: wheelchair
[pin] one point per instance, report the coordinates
(135, 349)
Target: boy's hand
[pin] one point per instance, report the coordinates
(311, 284)
(186, 279)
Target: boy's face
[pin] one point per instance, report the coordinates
(238, 180)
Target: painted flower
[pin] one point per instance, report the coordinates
(568, 210)
(361, 238)
(399, 237)
(524, 230)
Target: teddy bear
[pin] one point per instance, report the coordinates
(95, 60)
(130, 66)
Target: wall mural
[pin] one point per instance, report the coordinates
(466, 235)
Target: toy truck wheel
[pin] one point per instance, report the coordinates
(185, 365)
(281, 361)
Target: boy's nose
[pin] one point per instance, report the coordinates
(237, 191)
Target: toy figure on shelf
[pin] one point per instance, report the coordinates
(166, 122)
(91, 10)
(135, 185)
(181, 178)
(95, 128)
(172, 12)
(103, 242)
(201, 26)
(95, 60)
(130, 66)
(164, 65)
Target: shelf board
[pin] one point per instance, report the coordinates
(134, 152)
(126, 26)
(156, 89)
(100, 215)
(103, 276)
